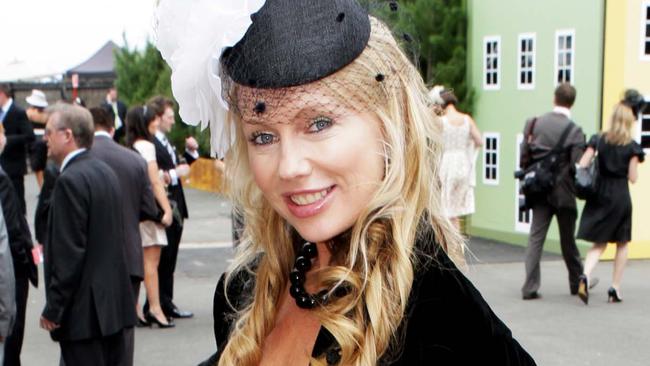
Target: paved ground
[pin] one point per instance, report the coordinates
(556, 330)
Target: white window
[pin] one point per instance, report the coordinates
(491, 147)
(645, 31)
(491, 63)
(643, 126)
(526, 61)
(523, 218)
(564, 56)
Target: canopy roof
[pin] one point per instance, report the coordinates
(102, 63)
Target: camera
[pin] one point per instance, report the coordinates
(520, 174)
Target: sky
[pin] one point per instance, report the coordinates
(56, 35)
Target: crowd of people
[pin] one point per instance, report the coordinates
(555, 146)
(94, 193)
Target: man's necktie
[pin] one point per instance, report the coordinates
(118, 120)
(2, 115)
(170, 149)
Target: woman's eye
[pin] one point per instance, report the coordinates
(262, 138)
(319, 124)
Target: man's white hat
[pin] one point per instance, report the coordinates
(37, 99)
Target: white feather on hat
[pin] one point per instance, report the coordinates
(191, 36)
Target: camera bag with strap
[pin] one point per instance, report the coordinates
(539, 178)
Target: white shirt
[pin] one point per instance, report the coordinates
(562, 110)
(5, 108)
(69, 157)
(172, 172)
(118, 120)
(103, 133)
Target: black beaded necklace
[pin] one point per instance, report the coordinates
(297, 277)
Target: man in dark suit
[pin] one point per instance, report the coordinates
(174, 172)
(191, 153)
(117, 109)
(137, 197)
(24, 268)
(541, 134)
(20, 136)
(89, 302)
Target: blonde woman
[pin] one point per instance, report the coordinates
(607, 216)
(334, 156)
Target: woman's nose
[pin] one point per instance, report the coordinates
(293, 161)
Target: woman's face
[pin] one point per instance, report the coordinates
(153, 126)
(317, 163)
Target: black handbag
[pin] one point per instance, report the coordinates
(586, 178)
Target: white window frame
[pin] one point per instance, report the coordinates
(565, 33)
(520, 54)
(639, 125)
(521, 227)
(486, 40)
(645, 22)
(497, 136)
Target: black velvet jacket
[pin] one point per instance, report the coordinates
(447, 321)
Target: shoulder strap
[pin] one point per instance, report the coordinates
(560, 144)
(531, 128)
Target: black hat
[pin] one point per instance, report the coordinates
(635, 101)
(295, 42)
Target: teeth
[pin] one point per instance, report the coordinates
(308, 199)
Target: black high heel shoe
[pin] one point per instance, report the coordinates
(142, 323)
(583, 289)
(153, 320)
(613, 296)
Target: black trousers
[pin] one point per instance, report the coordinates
(104, 351)
(566, 218)
(167, 266)
(129, 333)
(18, 182)
(14, 343)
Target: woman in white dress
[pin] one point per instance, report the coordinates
(461, 141)
(142, 123)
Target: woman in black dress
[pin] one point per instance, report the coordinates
(333, 165)
(607, 216)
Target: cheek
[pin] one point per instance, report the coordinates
(361, 158)
(262, 168)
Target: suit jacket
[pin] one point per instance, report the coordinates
(7, 283)
(88, 289)
(137, 196)
(20, 238)
(20, 136)
(189, 158)
(446, 322)
(121, 112)
(166, 163)
(42, 212)
(546, 134)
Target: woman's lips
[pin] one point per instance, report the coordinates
(309, 203)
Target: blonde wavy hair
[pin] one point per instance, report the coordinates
(376, 263)
(620, 127)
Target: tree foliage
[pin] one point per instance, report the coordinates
(439, 32)
(142, 74)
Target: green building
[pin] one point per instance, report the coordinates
(519, 50)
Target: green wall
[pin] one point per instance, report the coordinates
(505, 110)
